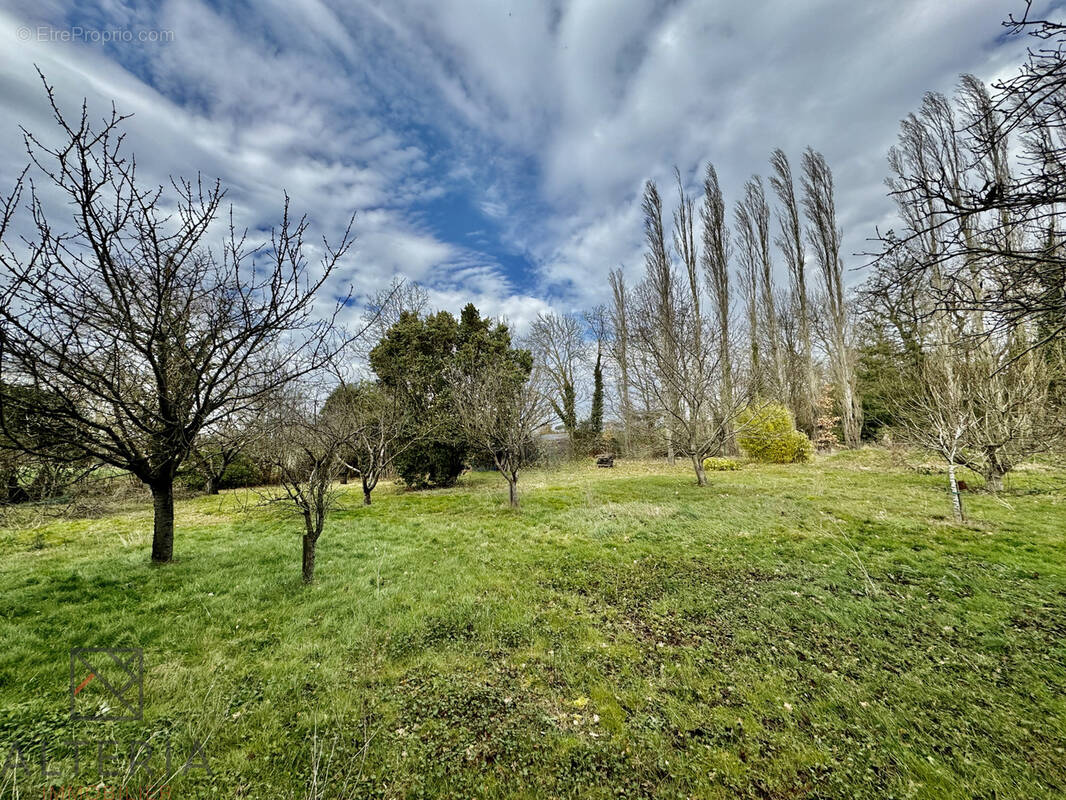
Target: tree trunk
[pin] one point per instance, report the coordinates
(701, 474)
(729, 440)
(163, 527)
(851, 422)
(344, 477)
(995, 471)
(366, 492)
(994, 480)
(211, 485)
(512, 486)
(956, 498)
(15, 492)
(810, 394)
(627, 414)
(729, 444)
(309, 558)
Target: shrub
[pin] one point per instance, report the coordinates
(720, 464)
(429, 464)
(245, 470)
(804, 448)
(768, 433)
(826, 435)
(588, 442)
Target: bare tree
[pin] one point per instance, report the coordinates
(790, 241)
(377, 426)
(753, 231)
(306, 450)
(143, 334)
(717, 251)
(894, 297)
(939, 418)
(685, 245)
(1009, 388)
(824, 237)
(500, 409)
(1000, 360)
(688, 252)
(679, 366)
(748, 256)
(1002, 381)
(48, 471)
(558, 345)
(682, 381)
(755, 197)
(660, 284)
(619, 349)
(385, 307)
(216, 449)
(1007, 226)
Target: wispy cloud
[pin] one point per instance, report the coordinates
(496, 153)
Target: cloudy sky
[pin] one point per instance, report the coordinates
(495, 151)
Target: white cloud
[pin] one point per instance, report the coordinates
(547, 116)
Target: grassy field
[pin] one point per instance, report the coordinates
(788, 632)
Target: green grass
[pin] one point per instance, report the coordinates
(796, 631)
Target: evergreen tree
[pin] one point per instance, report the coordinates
(415, 359)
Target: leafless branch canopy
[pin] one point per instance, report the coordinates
(142, 332)
(981, 182)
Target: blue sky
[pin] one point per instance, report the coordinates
(495, 151)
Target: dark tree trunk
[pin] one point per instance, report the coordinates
(344, 477)
(309, 558)
(512, 485)
(211, 487)
(701, 474)
(995, 472)
(15, 492)
(163, 528)
(994, 480)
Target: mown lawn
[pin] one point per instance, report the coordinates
(788, 632)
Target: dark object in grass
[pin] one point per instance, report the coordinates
(606, 460)
(963, 487)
